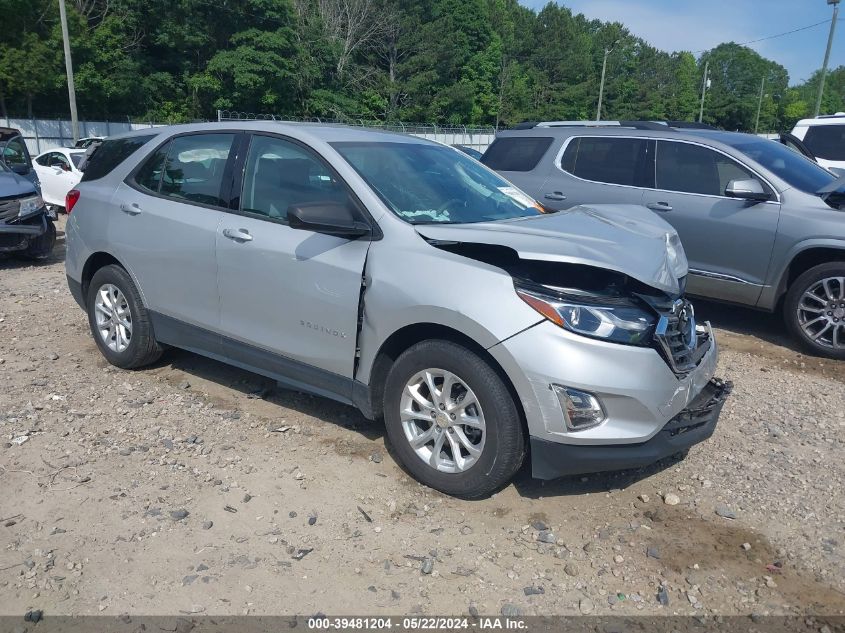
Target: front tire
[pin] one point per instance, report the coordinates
(814, 310)
(452, 421)
(119, 321)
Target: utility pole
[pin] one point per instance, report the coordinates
(71, 90)
(759, 105)
(607, 51)
(835, 4)
(704, 85)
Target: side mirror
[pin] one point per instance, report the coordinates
(330, 218)
(750, 189)
(21, 170)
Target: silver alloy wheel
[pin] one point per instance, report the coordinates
(821, 312)
(442, 420)
(113, 317)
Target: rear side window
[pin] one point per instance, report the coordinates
(110, 154)
(193, 169)
(149, 175)
(826, 141)
(691, 168)
(515, 153)
(618, 161)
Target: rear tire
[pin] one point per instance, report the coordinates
(814, 310)
(120, 324)
(486, 459)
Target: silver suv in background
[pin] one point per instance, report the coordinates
(761, 225)
(405, 278)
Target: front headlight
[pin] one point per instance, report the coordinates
(616, 320)
(30, 205)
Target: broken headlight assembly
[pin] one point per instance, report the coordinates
(30, 206)
(614, 319)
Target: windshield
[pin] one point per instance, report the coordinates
(800, 172)
(77, 158)
(425, 184)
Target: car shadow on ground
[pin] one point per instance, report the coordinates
(255, 386)
(575, 485)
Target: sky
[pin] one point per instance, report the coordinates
(698, 25)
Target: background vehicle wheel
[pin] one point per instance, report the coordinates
(451, 420)
(814, 310)
(119, 321)
(42, 246)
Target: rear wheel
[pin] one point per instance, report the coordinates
(814, 310)
(119, 321)
(452, 421)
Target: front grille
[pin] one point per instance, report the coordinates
(9, 209)
(679, 340)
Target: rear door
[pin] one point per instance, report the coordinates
(289, 298)
(164, 227)
(601, 170)
(728, 242)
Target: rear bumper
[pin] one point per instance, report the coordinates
(76, 291)
(692, 425)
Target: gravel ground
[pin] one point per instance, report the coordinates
(192, 487)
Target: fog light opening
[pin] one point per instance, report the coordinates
(581, 409)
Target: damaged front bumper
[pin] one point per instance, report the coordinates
(692, 425)
(16, 236)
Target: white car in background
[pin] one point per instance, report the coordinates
(58, 171)
(824, 137)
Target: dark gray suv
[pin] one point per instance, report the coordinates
(761, 224)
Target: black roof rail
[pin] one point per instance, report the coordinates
(690, 125)
(525, 125)
(644, 125)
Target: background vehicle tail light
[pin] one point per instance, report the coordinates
(70, 200)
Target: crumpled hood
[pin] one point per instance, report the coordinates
(12, 185)
(629, 239)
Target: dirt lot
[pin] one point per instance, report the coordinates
(192, 487)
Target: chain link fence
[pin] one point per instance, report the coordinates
(476, 137)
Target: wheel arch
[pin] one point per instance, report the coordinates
(409, 335)
(98, 260)
(803, 259)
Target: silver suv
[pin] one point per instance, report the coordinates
(761, 224)
(406, 279)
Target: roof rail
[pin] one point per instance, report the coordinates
(690, 125)
(662, 126)
(838, 115)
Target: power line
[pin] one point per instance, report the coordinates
(771, 37)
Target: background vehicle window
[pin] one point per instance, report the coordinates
(194, 167)
(516, 153)
(110, 154)
(44, 160)
(149, 176)
(58, 160)
(691, 168)
(619, 161)
(15, 154)
(826, 141)
(76, 158)
(279, 174)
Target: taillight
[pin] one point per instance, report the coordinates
(71, 199)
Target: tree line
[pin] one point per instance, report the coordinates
(485, 62)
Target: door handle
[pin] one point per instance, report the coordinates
(131, 209)
(659, 206)
(554, 195)
(239, 235)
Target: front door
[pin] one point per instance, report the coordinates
(728, 242)
(288, 297)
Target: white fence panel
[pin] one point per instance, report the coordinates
(43, 134)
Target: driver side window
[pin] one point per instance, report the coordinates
(279, 174)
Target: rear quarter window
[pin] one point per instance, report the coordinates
(110, 154)
(826, 141)
(516, 153)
